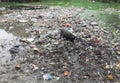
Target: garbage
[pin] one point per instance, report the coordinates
(118, 51)
(14, 49)
(39, 17)
(17, 66)
(107, 66)
(24, 40)
(56, 78)
(34, 67)
(66, 73)
(11, 27)
(118, 66)
(23, 21)
(67, 25)
(47, 77)
(94, 23)
(89, 57)
(35, 32)
(36, 50)
(110, 77)
(85, 77)
(30, 39)
(97, 41)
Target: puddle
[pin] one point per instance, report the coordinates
(6, 42)
(8, 38)
(19, 29)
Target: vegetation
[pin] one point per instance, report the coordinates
(90, 4)
(108, 1)
(8, 4)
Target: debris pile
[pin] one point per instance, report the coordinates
(63, 47)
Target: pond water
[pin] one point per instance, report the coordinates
(6, 41)
(8, 38)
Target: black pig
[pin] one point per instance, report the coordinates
(67, 35)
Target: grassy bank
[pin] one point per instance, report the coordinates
(9, 4)
(78, 3)
(82, 3)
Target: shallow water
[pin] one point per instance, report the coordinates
(8, 38)
(6, 41)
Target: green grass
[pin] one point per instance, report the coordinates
(9, 4)
(77, 3)
(81, 3)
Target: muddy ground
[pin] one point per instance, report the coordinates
(33, 51)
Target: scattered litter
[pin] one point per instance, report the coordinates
(17, 66)
(47, 76)
(34, 67)
(73, 48)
